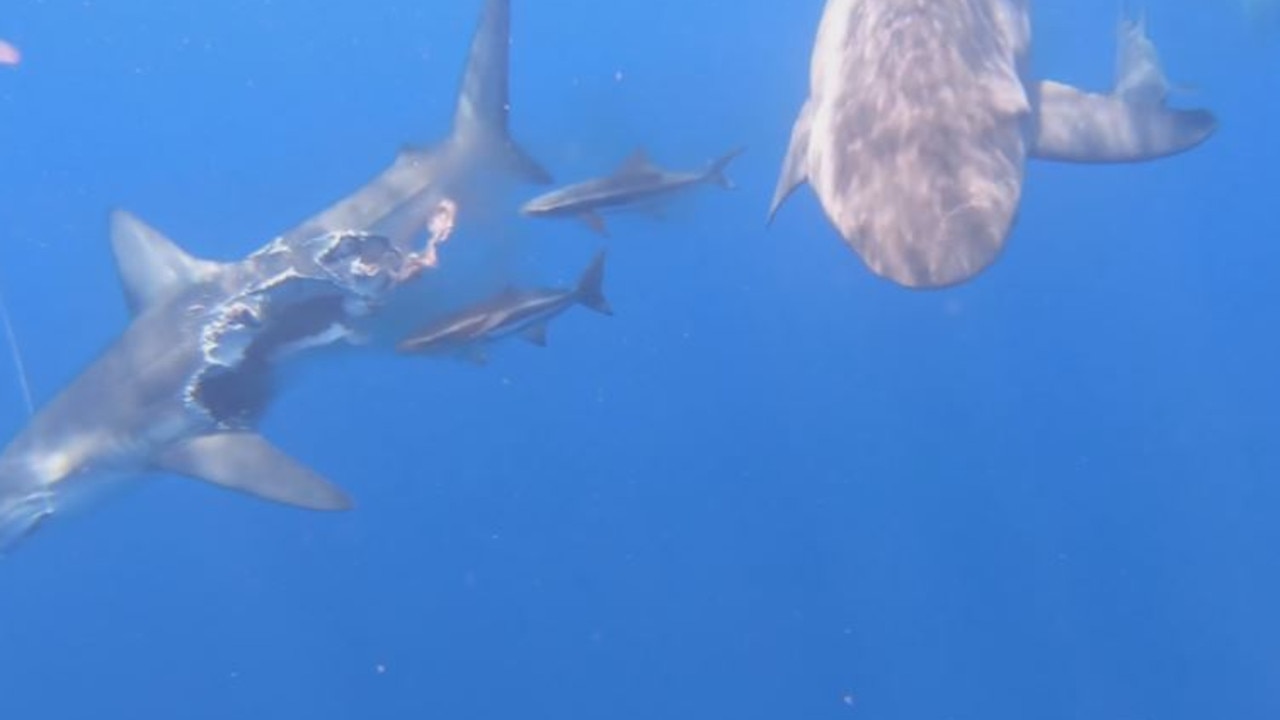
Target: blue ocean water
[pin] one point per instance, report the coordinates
(771, 486)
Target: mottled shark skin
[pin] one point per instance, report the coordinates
(637, 183)
(523, 313)
(921, 116)
(396, 203)
(183, 387)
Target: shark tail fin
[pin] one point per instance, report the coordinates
(591, 286)
(481, 116)
(715, 171)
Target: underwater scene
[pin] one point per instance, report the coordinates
(866, 359)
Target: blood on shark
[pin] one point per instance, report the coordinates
(922, 113)
(637, 183)
(182, 389)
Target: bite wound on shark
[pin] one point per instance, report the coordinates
(439, 227)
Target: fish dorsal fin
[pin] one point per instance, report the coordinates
(151, 266)
(637, 163)
(246, 462)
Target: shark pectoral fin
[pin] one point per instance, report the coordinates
(151, 266)
(1076, 126)
(536, 334)
(248, 463)
(596, 222)
(795, 168)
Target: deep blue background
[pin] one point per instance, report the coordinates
(773, 486)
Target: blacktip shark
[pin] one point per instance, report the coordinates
(182, 389)
(637, 183)
(921, 115)
(524, 313)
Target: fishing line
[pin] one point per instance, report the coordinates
(16, 354)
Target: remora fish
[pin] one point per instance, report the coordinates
(182, 388)
(636, 183)
(396, 202)
(513, 312)
(921, 115)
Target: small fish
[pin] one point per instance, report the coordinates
(523, 313)
(636, 184)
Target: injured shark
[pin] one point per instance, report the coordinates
(181, 390)
(636, 183)
(920, 118)
(525, 313)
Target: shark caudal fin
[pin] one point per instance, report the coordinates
(480, 120)
(591, 286)
(715, 171)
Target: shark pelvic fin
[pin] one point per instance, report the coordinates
(248, 463)
(591, 286)
(795, 168)
(151, 266)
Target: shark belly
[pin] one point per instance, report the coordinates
(918, 132)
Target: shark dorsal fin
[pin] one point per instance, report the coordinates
(637, 163)
(151, 266)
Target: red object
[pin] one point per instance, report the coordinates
(9, 54)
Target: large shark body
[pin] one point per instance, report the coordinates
(181, 390)
(921, 115)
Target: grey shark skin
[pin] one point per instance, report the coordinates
(636, 183)
(395, 203)
(182, 388)
(921, 115)
(525, 313)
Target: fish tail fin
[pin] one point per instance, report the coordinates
(591, 286)
(715, 171)
(481, 116)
